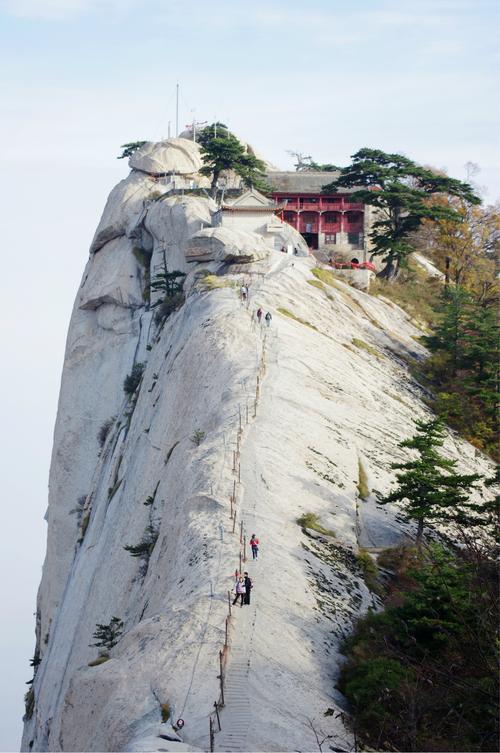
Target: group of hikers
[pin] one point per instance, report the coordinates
(267, 318)
(243, 586)
(259, 313)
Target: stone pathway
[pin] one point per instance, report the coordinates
(236, 715)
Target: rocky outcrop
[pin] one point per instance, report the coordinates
(227, 245)
(123, 208)
(170, 156)
(333, 394)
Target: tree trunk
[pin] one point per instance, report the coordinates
(213, 185)
(391, 269)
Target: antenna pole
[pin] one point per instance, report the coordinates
(169, 129)
(177, 110)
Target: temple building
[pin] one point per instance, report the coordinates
(330, 222)
(253, 212)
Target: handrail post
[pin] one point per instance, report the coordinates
(217, 714)
(221, 679)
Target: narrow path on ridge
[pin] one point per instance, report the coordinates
(236, 716)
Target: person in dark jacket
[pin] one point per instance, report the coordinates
(248, 588)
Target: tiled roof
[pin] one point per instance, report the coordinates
(302, 182)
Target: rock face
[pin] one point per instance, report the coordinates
(295, 409)
(226, 244)
(170, 156)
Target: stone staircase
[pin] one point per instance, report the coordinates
(236, 716)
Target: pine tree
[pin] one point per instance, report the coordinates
(130, 148)
(449, 335)
(221, 150)
(405, 193)
(108, 635)
(429, 487)
(168, 282)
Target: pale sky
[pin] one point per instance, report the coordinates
(81, 77)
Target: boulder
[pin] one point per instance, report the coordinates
(228, 245)
(123, 208)
(113, 277)
(170, 156)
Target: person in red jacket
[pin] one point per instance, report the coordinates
(254, 543)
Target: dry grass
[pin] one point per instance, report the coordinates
(310, 520)
(286, 312)
(212, 282)
(370, 571)
(327, 277)
(363, 488)
(317, 284)
(100, 660)
(416, 293)
(364, 346)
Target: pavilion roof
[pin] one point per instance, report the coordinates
(303, 182)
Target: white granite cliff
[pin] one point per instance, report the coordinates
(317, 394)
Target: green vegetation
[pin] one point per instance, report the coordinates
(104, 431)
(144, 260)
(369, 569)
(198, 437)
(213, 282)
(412, 678)
(78, 510)
(221, 150)
(145, 547)
(364, 346)
(107, 636)
(286, 312)
(406, 195)
(416, 293)
(310, 520)
(84, 524)
(165, 712)
(29, 704)
(100, 660)
(363, 488)
(132, 380)
(327, 277)
(317, 284)
(130, 148)
(167, 306)
(170, 284)
(429, 488)
(463, 368)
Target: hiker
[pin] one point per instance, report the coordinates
(268, 318)
(259, 314)
(248, 587)
(240, 591)
(254, 543)
(243, 292)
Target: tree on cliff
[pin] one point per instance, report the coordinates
(130, 148)
(429, 487)
(221, 150)
(405, 194)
